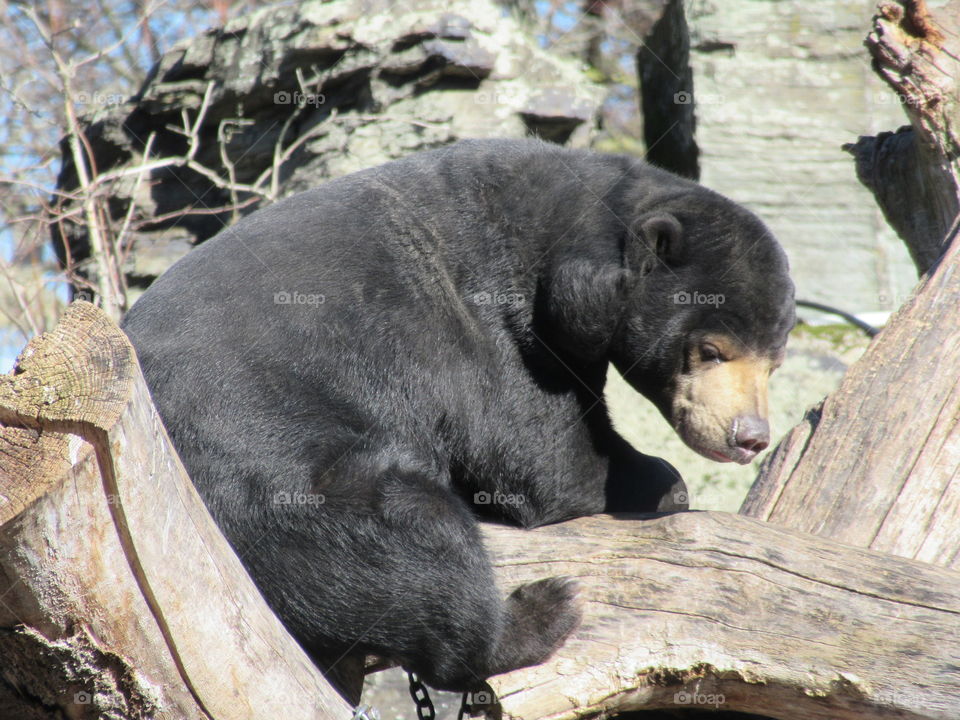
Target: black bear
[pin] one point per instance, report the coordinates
(355, 374)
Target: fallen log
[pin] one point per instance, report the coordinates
(119, 597)
(714, 611)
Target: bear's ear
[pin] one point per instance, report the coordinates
(662, 233)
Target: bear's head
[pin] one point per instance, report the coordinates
(693, 308)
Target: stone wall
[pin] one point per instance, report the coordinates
(780, 85)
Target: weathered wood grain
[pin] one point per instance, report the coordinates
(730, 613)
(119, 597)
(915, 172)
(878, 464)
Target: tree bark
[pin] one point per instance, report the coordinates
(667, 97)
(878, 463)
(119, 597)
(712, 611)
(913, 173)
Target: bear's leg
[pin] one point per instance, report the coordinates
(643, 483)
(401, 571)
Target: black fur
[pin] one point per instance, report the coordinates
(466, 304)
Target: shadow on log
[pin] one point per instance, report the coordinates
(119, 597)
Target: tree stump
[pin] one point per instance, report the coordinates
(913, 173)
(119, 597)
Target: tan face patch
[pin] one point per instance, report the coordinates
(715, 392)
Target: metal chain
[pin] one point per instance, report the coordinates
(464, 707)
(421, 696)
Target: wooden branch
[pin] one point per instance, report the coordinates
(913, 173)
(878, 463)
(119, 597)
(712, 611)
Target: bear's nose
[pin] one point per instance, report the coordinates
(752, 433)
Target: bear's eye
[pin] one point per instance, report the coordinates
(710, 353)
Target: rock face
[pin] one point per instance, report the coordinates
(291, 96)
(780, 85)
(757, 96)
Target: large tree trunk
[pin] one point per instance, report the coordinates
(914, 172)
(878, 463)
(120, 596)
(667, 97)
